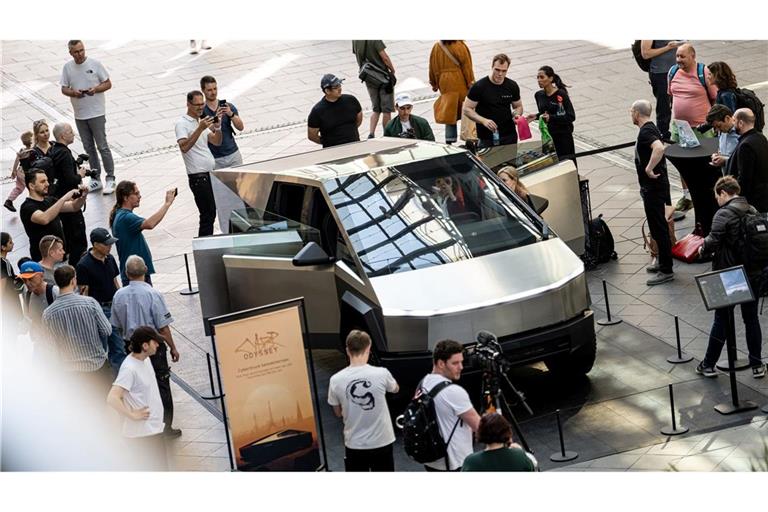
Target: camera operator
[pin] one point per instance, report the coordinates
(456, 417)
(67, 174)
(406, 125)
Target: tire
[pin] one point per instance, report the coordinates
(576, 363)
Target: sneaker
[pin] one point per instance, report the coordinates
(9, 205)
(192, 47)
(95, 185)
(683, 204)
(660, 278)
(706, 371)
(678, 216)
(653, 269)
(371, 136)
(205, 46)
(758, 372)
(109, 186)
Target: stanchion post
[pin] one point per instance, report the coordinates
(674, 431)
(609, 320)
(562, 456)
(680, 358)
(730, 345)
(213, 396)
(189, 290)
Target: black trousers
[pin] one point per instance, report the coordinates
(74, 235)
(653, 204)
(163, 374)
(564, 146)
(200, 185)
(663, 102)
(376, 459)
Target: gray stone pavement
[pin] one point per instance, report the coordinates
(274, 84)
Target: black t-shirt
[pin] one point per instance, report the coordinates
(559, 108)
(98, 276)
(65, 176)
(649, 133)
(495, 102)
(337, 120)
(37, 231)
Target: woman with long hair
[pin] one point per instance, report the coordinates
(41, 147)
(511, 178)
(722, 76)
(450, 72)
(555, 108)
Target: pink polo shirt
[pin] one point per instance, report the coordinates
(689, 98)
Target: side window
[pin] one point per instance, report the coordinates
(286, 200)
(319, 216)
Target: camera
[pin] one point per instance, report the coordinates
(91, 173)
(487, 353)
(408, 134)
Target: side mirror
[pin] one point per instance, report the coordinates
(540, 204)
(311, 254)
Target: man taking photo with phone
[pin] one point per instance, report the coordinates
(227, 153)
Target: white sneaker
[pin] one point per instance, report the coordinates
(109, 187)
(95, 185)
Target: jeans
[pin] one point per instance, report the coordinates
(375, 459)
(718, 334)
(200, 185)
(663, 103)
(93, 133)
(113, 344)
(653, 204)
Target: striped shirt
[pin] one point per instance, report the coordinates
(76, 324)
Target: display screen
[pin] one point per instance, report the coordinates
(724, 288)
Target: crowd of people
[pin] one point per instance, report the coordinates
(100, 318)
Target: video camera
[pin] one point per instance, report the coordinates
(82, 158)
(487, 353)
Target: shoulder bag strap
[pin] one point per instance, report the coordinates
(450, 55)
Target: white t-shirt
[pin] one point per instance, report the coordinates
(360, 391)
(138, 379)
(449, 404)
(405, 126)
(199, 158)
(84, 76)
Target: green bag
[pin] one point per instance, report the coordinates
(546, 138)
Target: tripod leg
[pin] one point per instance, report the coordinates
(507, 412)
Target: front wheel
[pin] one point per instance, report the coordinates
(575, 363)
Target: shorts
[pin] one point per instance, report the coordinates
(381, 100)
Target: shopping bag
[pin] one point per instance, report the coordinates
(687, 248)
(544, 131)
(523, 130)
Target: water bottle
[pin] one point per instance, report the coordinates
(496, 138)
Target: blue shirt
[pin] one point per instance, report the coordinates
(228, 144)
(727, 142)
(130, 240)
(139, 304)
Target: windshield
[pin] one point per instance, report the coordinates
(427, 213)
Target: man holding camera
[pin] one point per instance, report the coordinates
(194, 132)
(68, 174)
(85, 80)
(456, 417)
(39, 213)
(407, 125)
(227, 153)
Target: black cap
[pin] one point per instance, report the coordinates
(330, 80)
(102, 236)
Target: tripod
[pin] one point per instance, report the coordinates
(494, 400)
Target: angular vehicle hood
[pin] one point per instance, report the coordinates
(511, 276)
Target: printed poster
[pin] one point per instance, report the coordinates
(267, 390)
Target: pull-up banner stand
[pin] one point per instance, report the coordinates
(269, 397)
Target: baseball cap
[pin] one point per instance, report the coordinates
(330, 80)
(403, 99)
(28, 269)
(102, 236)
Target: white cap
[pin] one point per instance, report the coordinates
(403, 99)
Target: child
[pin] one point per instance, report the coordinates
(18, 172)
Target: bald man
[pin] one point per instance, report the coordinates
(749, 161)
(691, 99)
(654, 188)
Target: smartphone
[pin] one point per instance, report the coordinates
(222, 103)
(175, 191)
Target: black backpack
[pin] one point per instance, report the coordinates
(421, 432)
(746, 98)
(600, 241)
(643, 63)
(753, 244)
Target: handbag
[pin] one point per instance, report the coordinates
(649, 244)
(523, 130)
(374, 75)
(687, 248)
